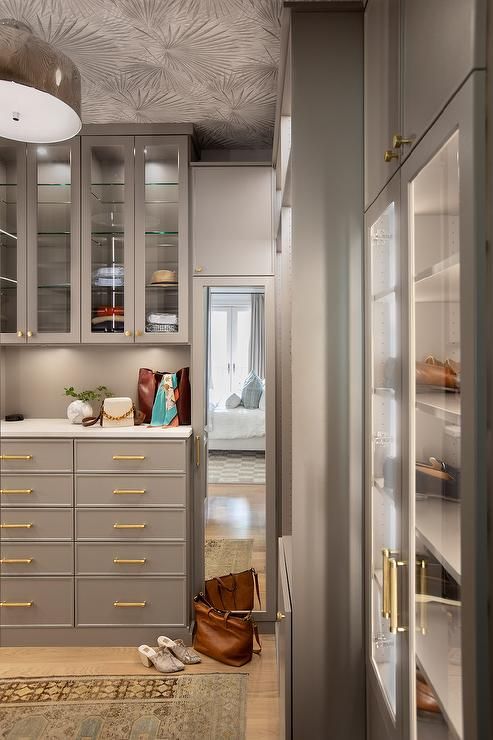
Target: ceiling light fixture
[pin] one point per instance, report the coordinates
(39, 88)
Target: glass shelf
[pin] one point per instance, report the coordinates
(166, 286)
(438, 525)
(443, 405)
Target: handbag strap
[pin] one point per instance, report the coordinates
(89, 421)
(255, 578)
(258, 650)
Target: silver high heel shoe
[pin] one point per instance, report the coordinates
(186, 655)
(161, 659)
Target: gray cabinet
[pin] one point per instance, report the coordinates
(39, 243)
(232, 214)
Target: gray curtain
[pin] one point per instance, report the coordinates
(257, 335)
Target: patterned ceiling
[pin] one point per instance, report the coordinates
(209, 62)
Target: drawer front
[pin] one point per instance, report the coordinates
(36, 490)
(131, 601)
(131, 490)
(130, 524)
(131, 558)
(34, 602)
(36, 524)
(28, 454)
(34, 559)
(130, 455)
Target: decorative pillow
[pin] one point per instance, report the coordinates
(261, 403)
(251, 391)
(232, 401)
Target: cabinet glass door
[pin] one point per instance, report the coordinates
(160, 239)
(108, 204)
(435, 244)
(12, 242)
(383, 482)
(53, 234)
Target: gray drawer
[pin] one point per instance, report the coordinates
(51, 602)
(36, 524)
(148, 558)
(130, 455)
(29, 454)
(36, 490)
(131, 601)
(36, 559)
(99, 524)
(131, 490)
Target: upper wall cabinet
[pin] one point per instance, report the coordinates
(135, 240)
(232, 220)
(417, 55)
(39, 242)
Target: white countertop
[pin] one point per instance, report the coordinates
(64, 428)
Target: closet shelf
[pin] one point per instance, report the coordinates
(438, 525)
(378, 483)
(385, 392)
(444, 405)
(439, 283)
(384, 295)
(441, 662)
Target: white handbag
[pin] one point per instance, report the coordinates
(117, 412)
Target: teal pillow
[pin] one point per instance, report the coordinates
(251, 391)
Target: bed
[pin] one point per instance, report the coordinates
(236, 429)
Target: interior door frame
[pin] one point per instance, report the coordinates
(380, 722)
(199, 365)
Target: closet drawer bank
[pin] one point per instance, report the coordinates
(95, 536)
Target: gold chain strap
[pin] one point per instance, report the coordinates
(118, 418)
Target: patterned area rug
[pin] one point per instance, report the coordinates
(227, 556)
(209, 706)
(236, 467)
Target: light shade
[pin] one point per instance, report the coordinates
(39, 88)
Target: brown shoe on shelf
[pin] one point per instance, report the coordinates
(434, 374)
(425, 698)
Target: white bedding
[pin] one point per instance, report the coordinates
(239, 423)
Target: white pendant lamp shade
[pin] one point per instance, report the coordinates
(39, 88)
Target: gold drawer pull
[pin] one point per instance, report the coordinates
(129, 603)
(16, 490)
(128, 526)
(120, 491)
(16, 457)
(16, 603)
(129, 457)
(16, 561)
(121, 561)
(15, 526)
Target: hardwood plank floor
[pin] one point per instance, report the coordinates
(262, 700)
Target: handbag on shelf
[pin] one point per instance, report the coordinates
(147, 388)
(115, 412)
(222, 635)
(234, 592)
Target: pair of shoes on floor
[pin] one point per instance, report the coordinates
(170, 657)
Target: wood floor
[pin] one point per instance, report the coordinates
(262, 702)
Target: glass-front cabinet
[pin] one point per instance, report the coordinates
(426, 430)
(39, 242)
(135, 245)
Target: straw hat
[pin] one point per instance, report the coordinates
(163, 276)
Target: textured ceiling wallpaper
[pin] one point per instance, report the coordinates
(209, 62)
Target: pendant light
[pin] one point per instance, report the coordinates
(39, 88)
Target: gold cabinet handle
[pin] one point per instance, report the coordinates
(20, 333)
(15, 526)
(386, 583)
(280, 616)
(16, 561)
(199, 268)
(398, 141)
(197, 451)
(5, 491)
(16, 457)
(389, 155)
(30, 334)
(16, 603)
(394, 596)
(128, 526)
(122, 561)
(422, 590)
(138, 333)
(120, 604)
(129, 457)
(121, 491)
(128, 333)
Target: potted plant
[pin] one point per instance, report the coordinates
(81, 407)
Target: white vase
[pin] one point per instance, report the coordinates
(78, 410)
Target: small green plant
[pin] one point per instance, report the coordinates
(98, 394)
